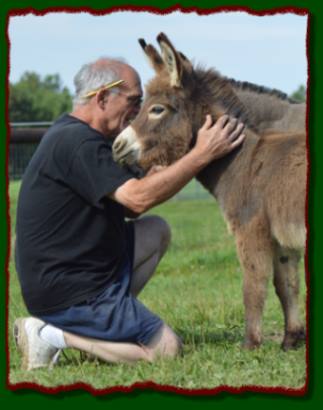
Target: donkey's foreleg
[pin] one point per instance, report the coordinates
(286, 281)
(256, 256)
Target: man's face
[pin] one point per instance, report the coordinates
(122, 106)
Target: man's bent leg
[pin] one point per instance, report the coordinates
(152, 237)
(111, 352)
(164, 344)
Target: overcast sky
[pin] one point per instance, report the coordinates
(266, 50)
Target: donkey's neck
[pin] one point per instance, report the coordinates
(262, 109)
(222, 178)
(270, 109)
(267, 111)
(213, 94)
(219, 175)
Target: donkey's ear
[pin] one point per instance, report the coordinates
(188, 67)
(172, 60)
(154, 57)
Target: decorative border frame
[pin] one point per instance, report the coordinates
(15, 9)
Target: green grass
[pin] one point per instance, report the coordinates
(197, 291)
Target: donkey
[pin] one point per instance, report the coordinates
(260, 187)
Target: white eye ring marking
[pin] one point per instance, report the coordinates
(156, 111)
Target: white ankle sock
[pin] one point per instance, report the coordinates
(53, 336)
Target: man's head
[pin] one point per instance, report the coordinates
(107, 107)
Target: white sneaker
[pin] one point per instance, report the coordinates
(35, 352)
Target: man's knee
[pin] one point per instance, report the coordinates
(152, 234)
(165, 344)
(163, 231)
(173, 345)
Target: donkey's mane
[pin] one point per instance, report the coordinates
(259, 89)
(213, 87)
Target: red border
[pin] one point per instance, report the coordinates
(307, 273)
(149, 384)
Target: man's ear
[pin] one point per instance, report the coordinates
(102, 97)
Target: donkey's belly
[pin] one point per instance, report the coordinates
(290, 235)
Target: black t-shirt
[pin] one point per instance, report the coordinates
(70, 236)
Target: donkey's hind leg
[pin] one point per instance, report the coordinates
(256, 256)
(286, 281)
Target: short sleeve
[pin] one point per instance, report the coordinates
(93, 173)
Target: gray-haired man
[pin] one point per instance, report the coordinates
(80, 264)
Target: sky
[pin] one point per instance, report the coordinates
(265, 50)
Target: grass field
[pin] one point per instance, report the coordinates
(197, 291)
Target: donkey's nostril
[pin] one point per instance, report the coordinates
(118, 145)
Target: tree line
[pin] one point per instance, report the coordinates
(36, 98)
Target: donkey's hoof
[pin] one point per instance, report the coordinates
(250, 344)
(293, 340)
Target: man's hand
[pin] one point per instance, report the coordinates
(215, 141)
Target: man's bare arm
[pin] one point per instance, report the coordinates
(212, 143)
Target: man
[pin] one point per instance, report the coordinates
(80, 265)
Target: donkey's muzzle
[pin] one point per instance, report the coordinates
(126, 148)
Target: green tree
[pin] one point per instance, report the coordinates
(34, 98)
(299, 94)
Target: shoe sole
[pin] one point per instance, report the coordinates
(21, 342)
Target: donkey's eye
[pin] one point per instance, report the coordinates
(156, 109)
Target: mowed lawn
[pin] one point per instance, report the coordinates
(197, 290)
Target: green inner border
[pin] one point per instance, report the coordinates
(146, 398)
